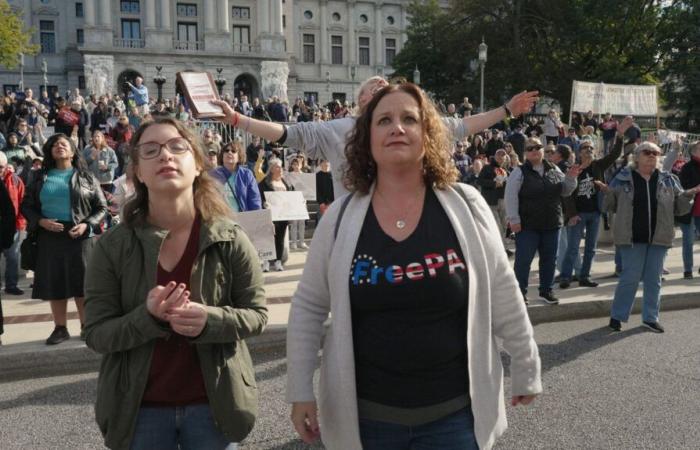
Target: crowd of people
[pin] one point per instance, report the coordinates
(121, 204)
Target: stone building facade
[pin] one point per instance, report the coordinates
(324, 48)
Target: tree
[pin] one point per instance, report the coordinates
(14, 38)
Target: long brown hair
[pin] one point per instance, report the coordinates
(208, 201)
(360, 169)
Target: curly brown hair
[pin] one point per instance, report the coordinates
(208, 201)
(360, 169)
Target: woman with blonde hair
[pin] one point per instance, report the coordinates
(171, 295)
(274, 182)
(412, 269)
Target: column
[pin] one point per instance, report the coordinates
(379, 45)
(89, 13)
(106, 13)
(351, 44)
(263, 16)
(404, 26)
(276, 19)
(165, 20)
(209, 16)
(150, 11)
(224, 15)
(324, 32)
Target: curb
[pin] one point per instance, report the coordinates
(36, 360)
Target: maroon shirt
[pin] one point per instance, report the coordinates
(176, 378)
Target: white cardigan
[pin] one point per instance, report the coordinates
(495, 310)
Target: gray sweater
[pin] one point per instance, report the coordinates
(495, 311)
(328, 139)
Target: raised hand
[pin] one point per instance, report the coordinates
(522, 102)
(624, 125)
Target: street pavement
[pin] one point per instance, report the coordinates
(628, 390)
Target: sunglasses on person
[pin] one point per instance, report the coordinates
(151, 150)
(533, 148)
(228, 150)
(651, 153)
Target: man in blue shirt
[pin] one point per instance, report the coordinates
(139, 94)
(571, 140)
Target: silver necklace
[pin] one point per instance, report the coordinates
(400, 222)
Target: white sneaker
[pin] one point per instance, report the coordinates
(292, 246)
(266, 266)
(303, 246)
(278, 266)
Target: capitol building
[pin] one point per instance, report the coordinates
(292, 48)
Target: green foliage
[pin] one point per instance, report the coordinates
(14, 39)
(540, 44)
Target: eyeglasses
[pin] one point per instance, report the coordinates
(228, 150)
(650, 153)
(150, 150)
(530, 149)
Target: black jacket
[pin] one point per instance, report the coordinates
(266, 186)
(324, 187)
(690, 177)
(487, 181)
(88, 204)
(7, 219)
(540, 198)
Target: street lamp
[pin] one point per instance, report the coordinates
(483, 49)
(353, 72)
(45, 68)
(159, 80)
(416, 76)
(21, 71)
(220, 81)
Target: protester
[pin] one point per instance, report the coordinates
(174, 290)
(534, 212)
(327, 139)
(101, 160)
(644, 200)
(7, 232)
(297, 228)
(406, 206)
(609, 128)
(237, 181)
(324, 187)
(582, 210)
(65, 207)
(690, 223)
(15, 189)
(275, 182)
(139, 94)
(492, 180)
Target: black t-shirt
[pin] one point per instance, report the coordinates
(409, 313)
(644, 211)
(587, 194)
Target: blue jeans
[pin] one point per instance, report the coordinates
(561, 253)
(12, 260)
(640, 262)
(454, 432)
(589, 222)
(183, 427)
(529, 242)
(689, 230)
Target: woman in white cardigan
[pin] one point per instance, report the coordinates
(412, 270)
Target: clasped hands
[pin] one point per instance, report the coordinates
(171, 303)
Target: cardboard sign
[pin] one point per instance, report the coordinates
(287, 205)
(304, 182)
(260, 230)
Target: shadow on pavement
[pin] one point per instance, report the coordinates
(77, 393)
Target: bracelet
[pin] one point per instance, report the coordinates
(236, 117)
(508, 113)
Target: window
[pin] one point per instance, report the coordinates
(241, 13)
(339, 96)
(241, 38)
(81, 82)
(129, 7)
(80, 36)
(79, 10)
(131, 29)
(390, 20)
(10, 88)
(336, 49)
(308, 15)
(51, 89)
(364, 51)
(186, 10)
(47, 36)
(284, 21)
(363, 18)
(309, 49)
(186, 32)
(310, 97)
(336, 17)
(389, 51)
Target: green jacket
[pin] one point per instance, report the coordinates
(226, 277)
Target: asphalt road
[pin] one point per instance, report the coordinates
(628, 390)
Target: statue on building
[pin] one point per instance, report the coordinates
(99, 74)
(274, 79)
